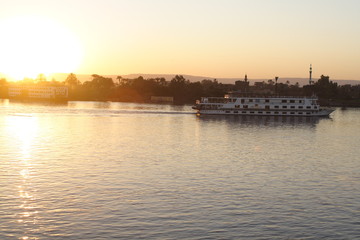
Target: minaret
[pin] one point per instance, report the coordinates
(310, 80)
(246, 83)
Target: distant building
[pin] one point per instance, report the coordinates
(162, 99)
(38, 92)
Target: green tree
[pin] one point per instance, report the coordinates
(161, 81)
(123, 81)
(178, 88)
(41, 78)
(325, 88)
(100, 87)
(72, 80)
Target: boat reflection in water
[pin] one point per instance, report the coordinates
(264, 120)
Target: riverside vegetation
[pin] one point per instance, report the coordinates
(183, 91)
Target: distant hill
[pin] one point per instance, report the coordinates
(168, 77)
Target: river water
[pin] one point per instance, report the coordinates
(101, 170)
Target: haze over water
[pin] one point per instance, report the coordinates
(97, 170)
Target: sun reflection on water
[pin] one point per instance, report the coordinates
(24, 129)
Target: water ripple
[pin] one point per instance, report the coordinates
(137, 171)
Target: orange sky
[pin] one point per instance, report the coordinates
(205, 37)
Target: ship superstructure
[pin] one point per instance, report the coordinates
(247, 104)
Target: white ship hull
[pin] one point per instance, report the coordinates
(320, 113)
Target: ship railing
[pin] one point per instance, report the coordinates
(268, 96)
(214, 100)
(230, 99)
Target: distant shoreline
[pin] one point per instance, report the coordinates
(180, 89)
(292, 80)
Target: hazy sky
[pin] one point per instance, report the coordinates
(215, 38)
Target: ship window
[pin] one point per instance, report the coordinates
(243, 112)
(267, 100)
(300, 107)
(276, 106)
(237, 106)
(250, 100)
(251, 112)
(300, 101)
(267, 107)
(242, 100)
(292, 113)
(227, 111)
(308, 107)
(292, 101)
(307, 113)
(235, 111)
(284, 113)
(284, 101)
(276, 112)
(292, 106)
(284, 106)
(315, 107)
(260, 112)
(300, 113)
(268, 112)
(245, 106)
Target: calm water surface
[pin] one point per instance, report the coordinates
(95, 170)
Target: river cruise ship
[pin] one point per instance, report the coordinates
(247, 104)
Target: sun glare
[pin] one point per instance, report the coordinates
(32, 45)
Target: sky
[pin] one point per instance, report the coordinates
(213, 38)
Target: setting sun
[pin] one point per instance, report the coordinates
(33, 45)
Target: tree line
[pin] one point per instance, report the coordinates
(139, 89)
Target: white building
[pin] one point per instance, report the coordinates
(38, 92)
